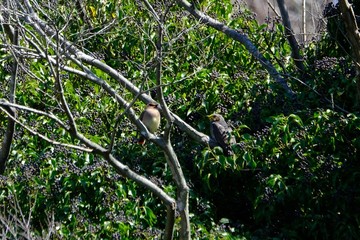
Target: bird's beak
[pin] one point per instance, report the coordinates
(210, 116)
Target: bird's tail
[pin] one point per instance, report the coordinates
(141, 140)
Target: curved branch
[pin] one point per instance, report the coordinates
(54, 142)
(237, 36)
(126, 171)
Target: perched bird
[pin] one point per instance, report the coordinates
(151, 119)
(221, 133)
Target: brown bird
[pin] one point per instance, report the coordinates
(221, 133)
(151, 119)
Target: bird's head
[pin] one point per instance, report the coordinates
(152, 105)
(215, 117)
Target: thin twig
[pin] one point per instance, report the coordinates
(273, 8)
(320, 95)
(46, 138)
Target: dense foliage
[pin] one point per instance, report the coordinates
(295, 171)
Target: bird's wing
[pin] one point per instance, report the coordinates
(142, 115)
(220, 134)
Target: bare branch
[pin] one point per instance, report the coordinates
(273, 8)
(353, 34)
(240, 38)
(60, 90)
(15, 224)
(298, 59)
(169, 228)
(10, 129)
(54, 142)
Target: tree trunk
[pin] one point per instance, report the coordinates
(353, 35)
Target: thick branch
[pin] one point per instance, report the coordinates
(8, 137)
(237, 36)
(353, 35)
(169, 228)
(298, 59)
(352, 30)
(183, 189)
(171, 157)
(125, 171)
(10, 129)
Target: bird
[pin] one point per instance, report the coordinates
(221, 133)
(151, 119)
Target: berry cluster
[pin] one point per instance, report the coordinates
(326, 64)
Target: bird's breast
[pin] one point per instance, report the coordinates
(153, 123)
